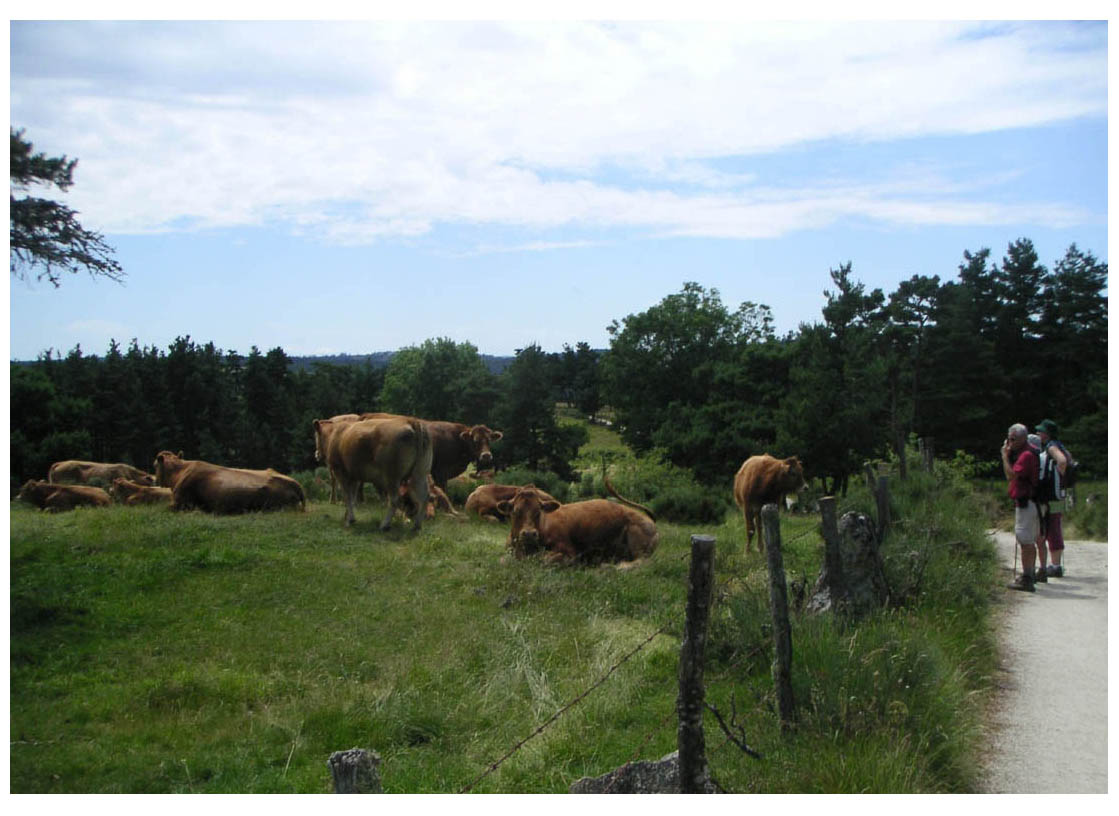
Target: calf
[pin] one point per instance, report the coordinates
(587, 532)
(484, 500)
(765, 480)
(57, 498)
(132, 494)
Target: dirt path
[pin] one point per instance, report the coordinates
(1049, 729)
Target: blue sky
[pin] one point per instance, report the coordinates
(356, 187)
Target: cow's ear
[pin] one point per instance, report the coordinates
(496, 435)
(465, 435)
(550, 506)
(315, 423)
(505, 507)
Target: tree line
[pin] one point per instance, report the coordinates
(702, 384)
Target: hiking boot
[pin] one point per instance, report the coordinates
(1041, 576)
(1023, 583)
(1056, 571)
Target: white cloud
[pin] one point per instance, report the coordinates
(357, 132)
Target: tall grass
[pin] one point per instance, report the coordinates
(154, 651)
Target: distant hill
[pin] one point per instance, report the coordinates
(380, 359)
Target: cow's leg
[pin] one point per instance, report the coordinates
(418, 493)
(349, 489)
(748, 519)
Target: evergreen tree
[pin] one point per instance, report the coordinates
(46, 235)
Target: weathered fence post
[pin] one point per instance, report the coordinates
(355, 771)
(690, 701)
(833, 556)
(779, 605)
(928, 452)
(868, 471)
(882, 495)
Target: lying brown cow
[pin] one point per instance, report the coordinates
(484, 500)
(218, 489)
(71, 471)
(386, 453)
(57, 498)
(454, 446)
(765, 480)
(587, 531)
(436, 500)
(132, 494)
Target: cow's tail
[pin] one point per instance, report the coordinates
(50, 473)
(610, 489)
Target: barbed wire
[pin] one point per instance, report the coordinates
(540, 729)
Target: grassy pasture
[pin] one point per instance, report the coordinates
(156, 652)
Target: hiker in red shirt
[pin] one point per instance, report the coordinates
(1020, 465)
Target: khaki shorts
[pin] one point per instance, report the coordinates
(1026, 523)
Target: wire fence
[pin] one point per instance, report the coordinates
(718, 596)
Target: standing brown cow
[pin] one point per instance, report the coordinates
(56, 498)
(764, 480)
(454, 446)
(587, 531)
(386, 453)
(324, 428)
(219, 489)
(73, 471)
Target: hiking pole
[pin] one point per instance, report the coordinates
(1014, 574)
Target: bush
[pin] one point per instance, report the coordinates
(315, 483)
(690, 505)
(548, 482)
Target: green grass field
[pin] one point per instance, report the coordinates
(156, 652)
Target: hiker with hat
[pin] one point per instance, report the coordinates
(1020, 465)
(1051, 503)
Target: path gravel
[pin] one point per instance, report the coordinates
(1049, 727)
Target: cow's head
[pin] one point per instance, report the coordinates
(320, 426)
(29, 490)
(166, 465)
(527, 509)
(792, 479)
(479, 438)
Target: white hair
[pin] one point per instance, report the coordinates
(1018, 430)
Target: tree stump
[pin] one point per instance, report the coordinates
(852, 580)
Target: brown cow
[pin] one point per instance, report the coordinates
(387, 453)
(323, 429)
(132, 494)
(765, 480)
(56, 498)
(454, 446)
(484, 500)
(72, 471)
(587, 531)
(219, 489)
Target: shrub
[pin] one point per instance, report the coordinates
(690, 504)
(548, 482)
(315, 483)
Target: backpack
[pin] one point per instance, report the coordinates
(1071, 468)
(1046, 489)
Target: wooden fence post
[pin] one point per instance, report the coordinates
(690, 701)
(928, 453)
(779, 605)
(833, 557)
(882, 495)
(355, 771)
